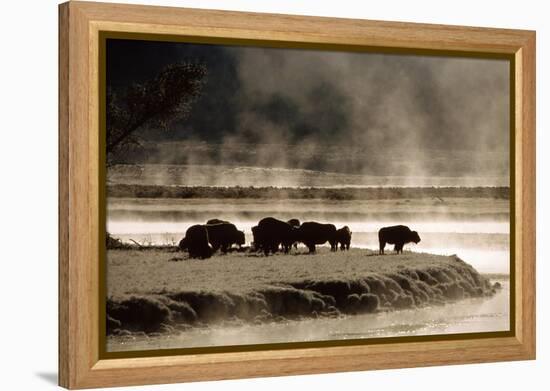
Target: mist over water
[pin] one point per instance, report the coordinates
(230, 175)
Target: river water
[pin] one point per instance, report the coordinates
(465, 316)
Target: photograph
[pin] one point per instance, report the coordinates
(263, 194)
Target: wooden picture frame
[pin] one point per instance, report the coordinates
(80, 238)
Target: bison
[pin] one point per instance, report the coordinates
(271, 232)
(224, 235)
(196, 242)
(217, 221)
(399, 235)
(296, 224)
(256, 240)
(343, 237)
(312, 233)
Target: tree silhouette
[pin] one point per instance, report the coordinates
(153, 104)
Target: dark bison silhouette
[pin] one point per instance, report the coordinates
(399, 235)
(224, 235)
(343, 237)
(296, 224)
(256, 238)
(196, 242)
(216, 221)
(271, 232)
(311, 233)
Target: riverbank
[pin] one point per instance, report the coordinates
(161, 290)
(292, 193)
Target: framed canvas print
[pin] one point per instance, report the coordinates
(251, 195)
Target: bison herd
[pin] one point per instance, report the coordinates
(272, 235)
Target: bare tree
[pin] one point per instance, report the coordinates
(153, 104)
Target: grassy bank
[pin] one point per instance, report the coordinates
(157, 290)
(344, 193)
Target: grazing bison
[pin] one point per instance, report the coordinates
(296, 224)
(196, 242)
(217, 221)
(343, 237)
(270, 233)
(256, 238)
(224, 235)
(399, 235)
(312, 233)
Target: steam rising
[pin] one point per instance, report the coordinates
(347, 112)
(405, 106)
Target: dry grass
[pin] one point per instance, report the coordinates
(154, 270)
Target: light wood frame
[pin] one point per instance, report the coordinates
(80, 23)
